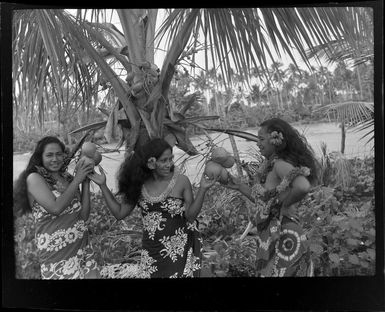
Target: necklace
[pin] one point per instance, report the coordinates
(53, 182)
(162, 196)
(266, 167)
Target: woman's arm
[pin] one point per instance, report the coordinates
(299, 187)
(194, 206)
(119, 210)
(39, 190)
(241, 187)
(86, 202)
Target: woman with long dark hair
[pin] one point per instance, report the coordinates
(59, 209)
(280, 184)
(171, 245)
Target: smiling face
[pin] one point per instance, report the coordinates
(265, 147)
(165, 163)
(53, 157)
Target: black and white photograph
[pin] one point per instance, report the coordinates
(220, 153)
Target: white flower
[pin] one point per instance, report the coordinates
(152, 222)
(71, 235)
(71, 266)
(174, 245)
(146, 267)
(43, 241)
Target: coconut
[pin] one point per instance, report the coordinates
(224, 176)
(229, 162)
(97, 158)
(87, 160)
(137, 86)
(219, 152)
(145, 64)
(89, 149)
(139, 94)
(130, 76)
(170, 139)
(152, 72)
(213, 170)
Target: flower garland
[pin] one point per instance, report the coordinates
(52, 182)
(271, 197)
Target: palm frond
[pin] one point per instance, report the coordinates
(351, 112)
(242, 36)
(242, 134)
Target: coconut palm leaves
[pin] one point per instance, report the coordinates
(355, 114)
(358, 46)
(66, 49)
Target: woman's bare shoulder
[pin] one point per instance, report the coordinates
(181, 178)
(34, 177)
(282, 167)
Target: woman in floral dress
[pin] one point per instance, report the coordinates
(279, 188)
(171, 245)
(59, 211)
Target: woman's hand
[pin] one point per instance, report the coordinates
(232, 183)
(99, 179)
(82, 170)
(206, 183)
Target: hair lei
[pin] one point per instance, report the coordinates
(276, 138)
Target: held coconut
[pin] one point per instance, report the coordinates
(89, 154)
(89, 149)
(97, 158)
(213, 170)
(229, 162)
(224, 177)
(222, 157)
(87, 161)
(219, 152)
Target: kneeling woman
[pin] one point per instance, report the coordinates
(280, 185)
(171, 243)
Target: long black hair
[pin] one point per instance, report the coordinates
(20, 194)
(134, 171)
(294, 148)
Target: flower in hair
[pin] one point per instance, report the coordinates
(276, 138)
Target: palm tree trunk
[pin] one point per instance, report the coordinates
(343, 137)
(236, 155)
(360, 83)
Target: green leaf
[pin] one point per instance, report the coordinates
(338, 219)
(354, 259)
(372, 253)
(316, 248)
(355, 224)
(352, 241)
(335, 258)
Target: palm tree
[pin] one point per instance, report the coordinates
(66, 48)
(360, 52)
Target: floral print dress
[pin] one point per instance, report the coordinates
(62, 240)
(171, 245)
(282, 245)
